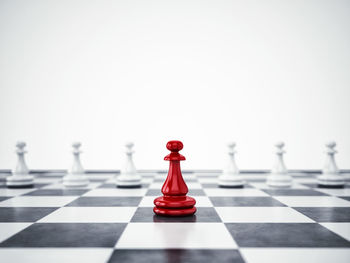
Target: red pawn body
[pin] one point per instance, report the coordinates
(174, 201)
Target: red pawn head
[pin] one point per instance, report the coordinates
(174, 147)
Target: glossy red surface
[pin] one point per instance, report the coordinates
(174, 202)
(174, 212)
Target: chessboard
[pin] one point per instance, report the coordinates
(102, 223)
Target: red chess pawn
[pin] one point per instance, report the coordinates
(174, 202)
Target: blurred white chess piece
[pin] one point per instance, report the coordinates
(128, 175)
(20, 175)
(331, 176)
(279, 176)
(76, 177)
(231, 176)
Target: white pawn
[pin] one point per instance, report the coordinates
(76, 177)
(279, 176)
(129, 177)
(20, 177)
(331, 177)
(231, 176)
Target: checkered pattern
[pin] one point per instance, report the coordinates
(101, 223)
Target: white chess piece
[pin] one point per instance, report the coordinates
(128, 176)
(20, 175)
(76, 177)
(231, 176)
(279, 176)
(331, 176)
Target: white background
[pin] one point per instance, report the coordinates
(201, 71)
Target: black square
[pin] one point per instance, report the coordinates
(24, 214)
(293, 192)
(284, 235)
(326, 214)
(58, 192)
(191, 192)
(176, 255)
(40, 185)
(3, 198)
(106, 201)
(203, 214)
(245, 201)
(67, 235)
(107, 185)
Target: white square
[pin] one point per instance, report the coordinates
(147, 180)
(176, 235)
(15, 192)
(312, 201)
(208, 180)
(38, 201)
(207, 174)
(234, 192)
(117, 192)
(9, 229)
(261, 215)
(55, 255)
(342, 229)
(254, 176)
(201, 201)
(99, 176)
(111, 180)
(160, 177)
(189, 177)
(311, 180)
(293, 255)
(144, 180)
(156, 185)
(335, 192)
(90, 215)
(46, 180)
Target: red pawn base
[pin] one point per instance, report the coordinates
(174, 206)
